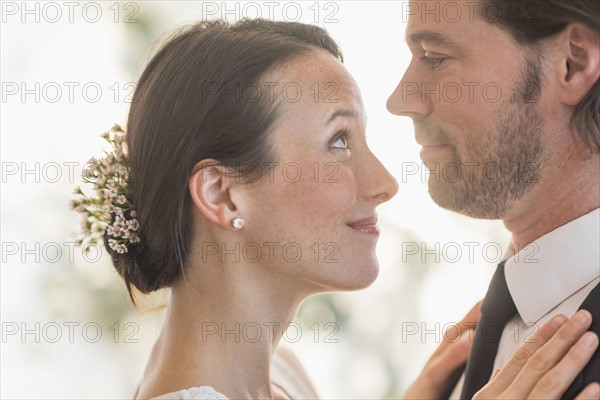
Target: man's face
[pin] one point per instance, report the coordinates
(476, 102)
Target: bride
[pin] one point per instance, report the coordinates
(248, 186)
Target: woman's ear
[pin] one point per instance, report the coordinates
(210, 187)
(580, 70)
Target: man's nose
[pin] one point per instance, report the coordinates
(410, 98)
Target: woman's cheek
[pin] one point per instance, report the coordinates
(313, 199)
(334, 194)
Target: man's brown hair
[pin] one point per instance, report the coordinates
(531, 21)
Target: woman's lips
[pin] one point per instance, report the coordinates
(367, 226)
(367, 229)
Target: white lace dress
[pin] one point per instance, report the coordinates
(195, 393)
(288, 381)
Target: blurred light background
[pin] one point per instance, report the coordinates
(68, 328)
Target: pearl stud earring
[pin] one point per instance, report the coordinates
(237, 223)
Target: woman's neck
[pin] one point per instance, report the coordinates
(221, 329)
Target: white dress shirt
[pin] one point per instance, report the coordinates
(551, 276)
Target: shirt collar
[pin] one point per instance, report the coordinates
(552, 268)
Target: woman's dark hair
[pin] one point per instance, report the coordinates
(531, 21)
(199, 98)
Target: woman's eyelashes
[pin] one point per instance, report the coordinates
(340, 140)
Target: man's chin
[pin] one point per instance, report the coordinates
(455, 196)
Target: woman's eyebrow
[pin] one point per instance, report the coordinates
(342, 112)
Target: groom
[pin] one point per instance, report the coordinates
(509, 92)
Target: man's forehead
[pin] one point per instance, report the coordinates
(440, 21)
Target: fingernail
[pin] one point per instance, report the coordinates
(558, 321)
(582, 317)
(590, 339)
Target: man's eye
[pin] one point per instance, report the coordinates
(340, 142)
(431, 60)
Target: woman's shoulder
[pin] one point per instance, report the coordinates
(194, 393)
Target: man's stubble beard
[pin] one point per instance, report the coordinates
(507, 163)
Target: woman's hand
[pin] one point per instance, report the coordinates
(450, 355)
(545, 366)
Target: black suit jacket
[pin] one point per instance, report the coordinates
(591, 372)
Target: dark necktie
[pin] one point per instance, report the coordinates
(497, 308)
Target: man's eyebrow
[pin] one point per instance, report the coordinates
(416, 38)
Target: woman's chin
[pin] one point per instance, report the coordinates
(369, 277)
(366, 274)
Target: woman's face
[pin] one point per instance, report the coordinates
(313, 211)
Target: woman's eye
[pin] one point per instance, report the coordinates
(340, 142)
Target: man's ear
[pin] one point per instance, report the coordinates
(580, 70)
(210, 187)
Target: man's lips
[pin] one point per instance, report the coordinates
(366, 225)
(432, 151)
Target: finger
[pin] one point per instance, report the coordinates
(558, 379)
(591, 392)
(551, 353)
(438, 372)
(509, 372)
(442, 366)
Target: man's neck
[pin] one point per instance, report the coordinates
(553, 205)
